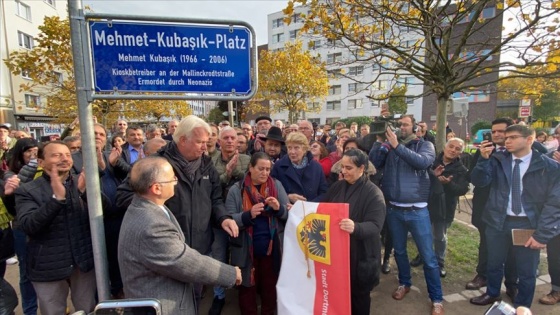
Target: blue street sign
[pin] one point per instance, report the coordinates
(178, 58)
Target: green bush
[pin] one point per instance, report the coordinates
(480, 124)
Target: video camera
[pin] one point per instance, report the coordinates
(378, 128)
(381, 123)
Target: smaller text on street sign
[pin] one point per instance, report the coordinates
(176, 58)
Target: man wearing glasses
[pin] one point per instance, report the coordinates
(167, 266)
(524, 194)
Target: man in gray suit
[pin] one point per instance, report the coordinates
(154, 259)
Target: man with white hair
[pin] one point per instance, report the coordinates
(197, 204)
(278, 123)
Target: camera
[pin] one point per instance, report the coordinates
(381, 123)
(487, 136)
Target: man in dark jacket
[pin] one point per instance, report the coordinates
(197, 203)
(449, 181)
(524, 194)
(112, 171)
(480, 197)
(406, 186)
(53, 213)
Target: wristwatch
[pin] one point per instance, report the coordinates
(54, 197)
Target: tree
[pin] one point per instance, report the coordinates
(215, 115)
(447, 45)
(50, 66)
(549, 106)
(290, 79)
(397, 100)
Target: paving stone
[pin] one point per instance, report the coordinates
(455, 297)
(545, 278)
(471, 293)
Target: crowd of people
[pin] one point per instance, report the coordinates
(205, 204)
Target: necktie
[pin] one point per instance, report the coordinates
(516, 188)
(502, 150)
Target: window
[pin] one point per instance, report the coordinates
(278, 23)
(375, 67)
(314, 44)
(474, 96)
(294, 34)
(25, 73)
(488, 13)
(406, 81)
(335, 73)
(382, 84)
(32, 100)
(410, 100)
(335, 105)
(51, 2)
(25, 41)
(332, 58)
(313, 105)
(277, 38)
(334, 89)
(356, 70)
(353, 104)
(296, 18)
(23, 10)
(355, 87)
(58, 78)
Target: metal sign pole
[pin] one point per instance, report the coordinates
(77, 28)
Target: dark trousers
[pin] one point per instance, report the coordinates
(265, 285)
(112, 230)
(526, 262)
(387, 241)
(510, 273)
(361, 301)
(553, 257)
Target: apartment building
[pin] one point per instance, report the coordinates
(350, 84)
(18, 27)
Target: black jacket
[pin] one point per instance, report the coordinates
(367, 210)
(197, 206)
(58, 232)
(443, 197)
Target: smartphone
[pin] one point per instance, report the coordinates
(128, 307)
(487, 136)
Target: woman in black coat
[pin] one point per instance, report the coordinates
(366, 217)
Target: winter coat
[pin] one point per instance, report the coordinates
(312, 184)
(59, 237)
(443, 197)
(540, 196)
(197, 205)
(367, 210)
(405, 172)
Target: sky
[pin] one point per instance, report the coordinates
(253, 12)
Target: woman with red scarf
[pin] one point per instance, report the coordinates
(258, 205)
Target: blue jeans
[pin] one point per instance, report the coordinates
(417, 222)
(28, 296)
(526, 262)
(219, 252)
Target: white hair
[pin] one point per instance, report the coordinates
(458, 140)
(187, 125)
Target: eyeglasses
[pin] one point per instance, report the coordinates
(174, 180)
(514, 137)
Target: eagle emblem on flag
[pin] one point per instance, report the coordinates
(313, 237)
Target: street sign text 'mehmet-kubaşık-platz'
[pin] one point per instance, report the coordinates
(182, 58)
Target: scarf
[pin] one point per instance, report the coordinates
(408, 139)
(189, 168)
(302, 165)
(251, 196)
